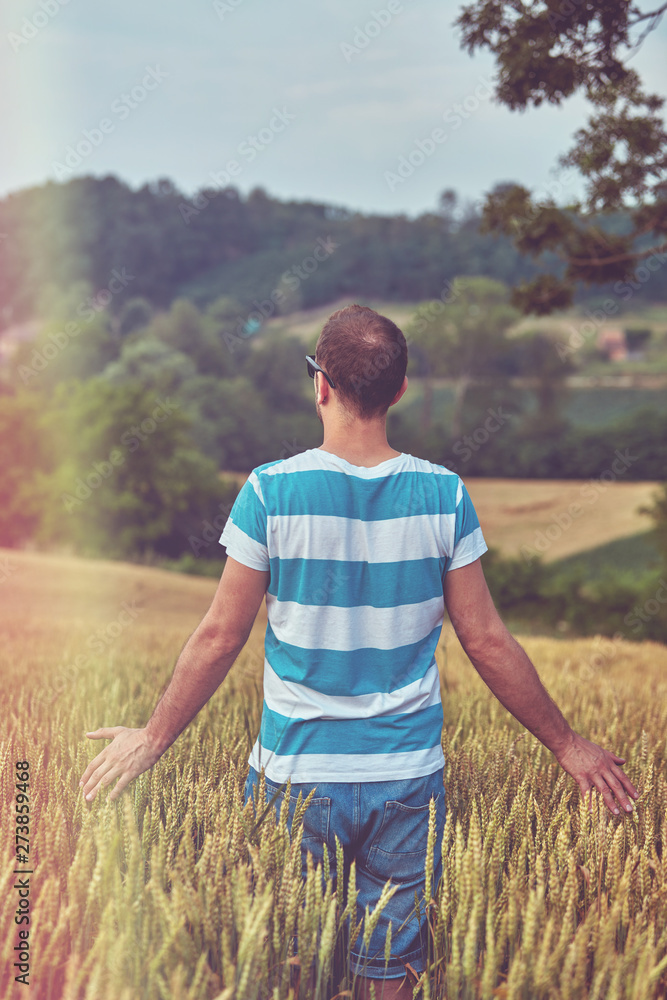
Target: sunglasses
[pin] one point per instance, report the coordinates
(314, 367)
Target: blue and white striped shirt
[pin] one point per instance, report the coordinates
(357, 558)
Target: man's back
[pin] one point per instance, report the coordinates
(357, 558)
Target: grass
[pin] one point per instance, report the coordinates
(152, 897)
(635, 554)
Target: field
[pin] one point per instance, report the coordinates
(516, 513)
(150, 897)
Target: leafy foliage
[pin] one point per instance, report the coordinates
(611, 604)
(462, 337)
(545, 52)
(129, 480)
(26, 460)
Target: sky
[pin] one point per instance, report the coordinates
(318, 100)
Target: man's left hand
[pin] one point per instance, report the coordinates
(594, 768)
(128, 755)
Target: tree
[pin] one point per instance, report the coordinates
(225, 311)
(208, 341)
(26, 460)
(462, 338)
(65, 349)
(135, 314)
(231, 422)
(536, 358)
(277, 367)
(130, 481)
(224, 350)
(152, 362)
(546, 51)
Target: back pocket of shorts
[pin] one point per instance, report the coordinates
(315, 819)
(398, 850)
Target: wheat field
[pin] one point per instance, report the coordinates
(178, 891)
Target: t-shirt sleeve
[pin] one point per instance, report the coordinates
(469, 541)
(244, 534)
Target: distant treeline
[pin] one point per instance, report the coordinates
(284, 255)
(632, 447)
(112, 441)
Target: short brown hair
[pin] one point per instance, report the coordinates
(365, 354)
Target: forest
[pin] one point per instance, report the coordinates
(220, 242)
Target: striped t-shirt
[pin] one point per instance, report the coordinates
(357, 558)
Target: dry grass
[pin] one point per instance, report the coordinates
(150, 898)
(512, 512)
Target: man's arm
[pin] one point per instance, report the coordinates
(506, 669)
(202, 666)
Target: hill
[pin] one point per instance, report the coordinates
(92, 230)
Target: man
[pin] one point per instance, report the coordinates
(358, 549)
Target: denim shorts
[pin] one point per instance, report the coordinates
(383, 826)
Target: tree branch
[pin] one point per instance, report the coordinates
(649, 13)
(648, 228)
(617, 258)
(651, 26)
